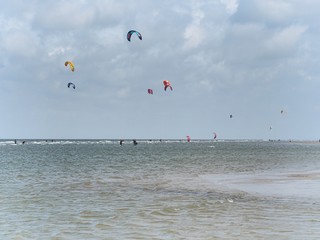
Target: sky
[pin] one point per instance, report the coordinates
(245, 58)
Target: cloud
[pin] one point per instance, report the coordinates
(275, 11)
(286, 39)
(194, 33)
(69, 17)
(58, 51)
(231, 5)
(17, 38)
(218, 55)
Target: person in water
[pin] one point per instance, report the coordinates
(135, 142)
(121, 141)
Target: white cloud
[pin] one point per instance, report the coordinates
(69, 17)
(18, 38)
(275, 10)
(286, 39)
(234, 54)
(194, 33)
(58, 51)
(231, 5)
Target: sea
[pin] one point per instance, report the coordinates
(159, 189)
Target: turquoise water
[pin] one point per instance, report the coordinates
(98, 189)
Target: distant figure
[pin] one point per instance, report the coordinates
(121, 141)
(23, 142)
(135, 142)
(15, 141)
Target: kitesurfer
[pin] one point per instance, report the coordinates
(121, 141)
(135, 142)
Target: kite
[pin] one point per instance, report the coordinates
(129, 34)
(214, 136)
(71, 84)
(150, 91)
(71, 65)
(167, 84)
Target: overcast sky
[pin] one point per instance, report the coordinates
(248, 58)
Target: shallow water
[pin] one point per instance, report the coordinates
(159, 190)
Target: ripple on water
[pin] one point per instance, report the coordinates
(72, 190)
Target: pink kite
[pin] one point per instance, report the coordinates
(167, 84)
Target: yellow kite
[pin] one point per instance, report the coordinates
(71, 65)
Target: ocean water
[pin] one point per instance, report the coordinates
(97, 189)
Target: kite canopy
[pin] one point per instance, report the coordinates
(70, 84)
(150, 91)
(167, 84)
(71, 65)
(129, 34)
(214, 136)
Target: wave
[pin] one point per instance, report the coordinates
(6, 142)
